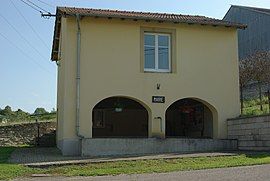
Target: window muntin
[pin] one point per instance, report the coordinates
(157, 52)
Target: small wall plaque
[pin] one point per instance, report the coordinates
(158, 99)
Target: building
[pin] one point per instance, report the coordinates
(256, 36)
(136, 82)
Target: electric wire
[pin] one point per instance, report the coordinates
(13, 27)
(38, 6)
(31, 6)
(50, 5)
(27, 22)
(25, 54)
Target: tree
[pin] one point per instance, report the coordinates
(7, 111)
(254, 68)
(261, 70)
(245, 76)
(21, 115)
(40, 110)
(53, 110)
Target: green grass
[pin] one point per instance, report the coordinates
(255, 110)
(5, 153)
(26, 122)
(14, 118)
(252, 107)
(10, 171)
(161, 165)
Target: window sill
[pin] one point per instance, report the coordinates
(155, 71)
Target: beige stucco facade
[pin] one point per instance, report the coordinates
(204, 67)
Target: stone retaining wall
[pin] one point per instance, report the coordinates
(252, 133)
(24, 133)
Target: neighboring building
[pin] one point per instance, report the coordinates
(256, 36)
(125, 75)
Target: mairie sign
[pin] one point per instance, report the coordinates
(158, 99)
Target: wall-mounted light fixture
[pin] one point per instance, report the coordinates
(118, 107)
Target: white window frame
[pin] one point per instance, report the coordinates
(156, 69)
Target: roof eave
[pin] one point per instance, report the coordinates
(236, 25)
(56, 37)
(59, 14)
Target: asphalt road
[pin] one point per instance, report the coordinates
(250, 173)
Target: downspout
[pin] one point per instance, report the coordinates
(78, 77)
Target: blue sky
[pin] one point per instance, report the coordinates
(28, 77)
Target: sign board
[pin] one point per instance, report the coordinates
(158, 99)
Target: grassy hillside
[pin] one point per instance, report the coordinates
(252, 107)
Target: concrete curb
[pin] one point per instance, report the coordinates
(130, 158)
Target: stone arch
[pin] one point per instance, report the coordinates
(192, 118)
(120, 117)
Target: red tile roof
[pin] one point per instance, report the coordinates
(146, 16)
(176, 18)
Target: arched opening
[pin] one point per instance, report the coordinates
(119, 117)
(189, 118)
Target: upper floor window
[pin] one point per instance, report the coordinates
(157, 52)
